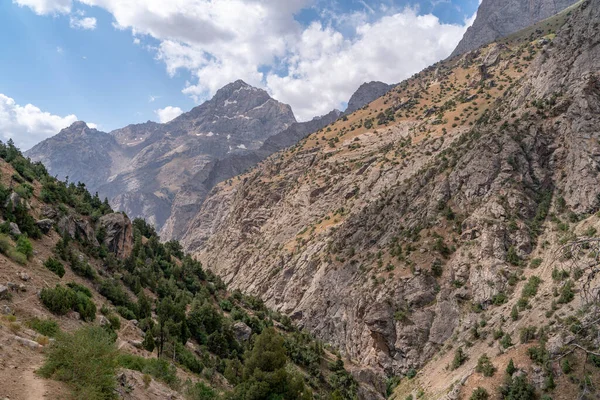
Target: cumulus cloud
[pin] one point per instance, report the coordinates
(324, 68)
(87, 23)
(42, 7)
(168, 113)
(314, 68)
(28, 125)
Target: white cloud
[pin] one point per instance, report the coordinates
(60, 50)
(87, 23)
(28, 125)
(42, 7)
(136, 41)
(314, 68)
(325, 68)
(168, 113)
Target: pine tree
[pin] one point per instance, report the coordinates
(510, 369)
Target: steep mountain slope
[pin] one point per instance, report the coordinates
(190, 197)
(394, 233)
(496, 19)
(93, 306)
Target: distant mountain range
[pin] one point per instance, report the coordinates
(162, 172)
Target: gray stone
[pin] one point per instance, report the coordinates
(14, 229)
(45, 225)
(23, 276)
(242, 331)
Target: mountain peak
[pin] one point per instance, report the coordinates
(78, 125)
(366, 93)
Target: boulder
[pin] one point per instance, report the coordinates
(45, 225)
(13, 200)
(14, 229)
(73, 315)
(23, 276)
(242, 331)
(119, 234)
(77, 228)
(49, 212)
(103, 321)
(28, 343)
(4, 293)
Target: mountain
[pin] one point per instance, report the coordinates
(496, 19)
(189, 199)
(163, 172)
(366, 93)
(81, 154)
(94, 306)
(140, 168)
(448, 224)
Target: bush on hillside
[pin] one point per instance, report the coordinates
(86, 360)
(61, 300)
(55, 266)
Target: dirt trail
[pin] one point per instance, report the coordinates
(36, 386)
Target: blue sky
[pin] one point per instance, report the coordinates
(113, 63)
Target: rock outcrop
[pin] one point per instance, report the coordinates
(499, 18)
(118, 234)
(366, 93)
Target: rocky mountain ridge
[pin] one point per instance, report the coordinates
(141, 167)
(393, 233)
(162, 172)
(498, 19)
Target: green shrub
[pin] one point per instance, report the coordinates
(512, 257)
(199, 391)
(115, 321)
(86, 360)
(566, 292)
(459, 359)
(510, 368)
(536, 262)
(527, 334)
(539, 354)
(485, 366)
(506, 341)
(411, 373)
(158, 368)
(6, 248)
(55, 266)
(479, 394)
(514, 314)
(24, 246)
(518, 388)
(126, 313)
(46, 327)
(80, 289)
(531, 288)
(61, 300)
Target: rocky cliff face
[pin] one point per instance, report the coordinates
(366, 93)
(496, 19)
(387, 233)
